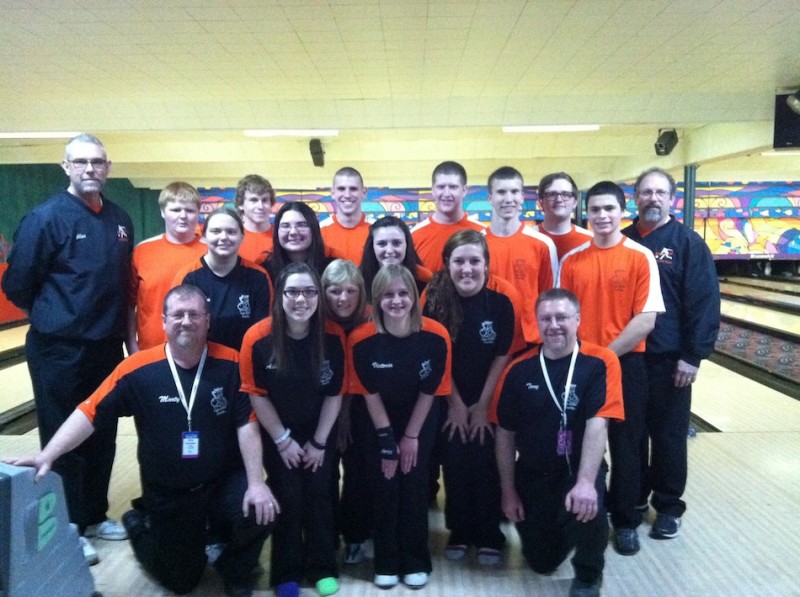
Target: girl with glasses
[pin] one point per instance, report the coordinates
(296, 239)
(292, 365)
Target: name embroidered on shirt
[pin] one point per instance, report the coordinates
(376, 365)
(80, 236)
(531, 386)
(165, 399)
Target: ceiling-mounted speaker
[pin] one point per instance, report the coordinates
(666, 142)
(787, 123)
(317, 152)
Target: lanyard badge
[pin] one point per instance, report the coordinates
(564, 438)
(190, 440)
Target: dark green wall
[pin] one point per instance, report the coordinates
(24, 186)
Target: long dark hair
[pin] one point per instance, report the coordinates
(443, 302)
(316, 251)
(369, 262)
(281, 343)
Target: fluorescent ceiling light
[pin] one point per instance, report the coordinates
(780, 153)
(552, 128)
(291, 133)
(41, 135)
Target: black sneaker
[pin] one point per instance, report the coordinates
(626, 541)
(665, 526)
(578, 588)
(134, 522)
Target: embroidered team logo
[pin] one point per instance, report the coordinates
(664, 255)
(619, 280)
(244, 306)
(425, 370)
(218, 401)
(326, 375)
(122, 232)
(572, 400)
(488, 335)
(520, 269)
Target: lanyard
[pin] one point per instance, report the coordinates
(564, 435)
(561, 409)
(187, 407)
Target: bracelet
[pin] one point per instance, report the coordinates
(405, 435)
(283, 437)
(314, 443)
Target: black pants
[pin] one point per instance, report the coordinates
(358, 485)
(171, 547)
(303, 544)
(472, 492)
(401, 506)
(668, 414)
(624, 441)
(549, 532)
(64, 373)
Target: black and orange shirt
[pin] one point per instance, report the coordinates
(236, 301)
(523, 403)
(296, 395)
(487, 331)
(398, 369)
(142, 387)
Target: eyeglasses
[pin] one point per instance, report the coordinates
(553, 195)
(649, 193)
(296, 225)
(559, 319)
(294, 293)
(82, 163)
(179, 315)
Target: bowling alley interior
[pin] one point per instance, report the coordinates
(208, 91)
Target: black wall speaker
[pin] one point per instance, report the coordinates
(787, 125)
(666, 142)
(317, 153)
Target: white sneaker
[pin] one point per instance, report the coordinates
(89, 552)
(416, 580)
(385, 581)
(109, 529)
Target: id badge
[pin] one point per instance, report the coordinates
(564, 447)
(190, 444)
